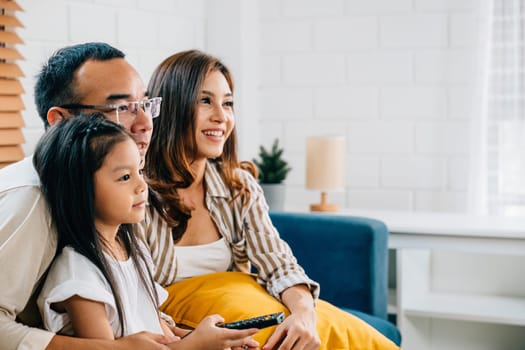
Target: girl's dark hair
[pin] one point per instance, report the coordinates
(178, 80)
(66, 159)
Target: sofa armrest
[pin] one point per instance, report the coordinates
(347, 255)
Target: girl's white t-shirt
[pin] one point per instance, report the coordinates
(73, 274)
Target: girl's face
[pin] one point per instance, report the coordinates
(214, 119)
(120, 189)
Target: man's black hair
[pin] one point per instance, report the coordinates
(54, 86)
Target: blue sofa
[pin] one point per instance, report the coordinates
(348, 256)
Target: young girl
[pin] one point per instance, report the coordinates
(100, 285)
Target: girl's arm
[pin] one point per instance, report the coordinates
(88, 317)
(142, 341)
(95, 326)
(207, 336)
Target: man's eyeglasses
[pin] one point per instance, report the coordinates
(125, 112)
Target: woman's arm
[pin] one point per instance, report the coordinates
(298, 331)
(276, 265)
(283, 276)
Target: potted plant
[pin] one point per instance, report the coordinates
(272, 172)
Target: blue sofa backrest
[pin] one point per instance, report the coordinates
(347, 255)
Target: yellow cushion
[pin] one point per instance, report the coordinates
(236, 296)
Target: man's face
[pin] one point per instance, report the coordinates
(115, 81)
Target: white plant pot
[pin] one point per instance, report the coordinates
(274, 194)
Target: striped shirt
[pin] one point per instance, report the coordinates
(245, 224)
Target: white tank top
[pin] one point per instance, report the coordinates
(197, 260)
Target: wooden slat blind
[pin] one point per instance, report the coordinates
(10, 5)
(11, 104)
(9, 21)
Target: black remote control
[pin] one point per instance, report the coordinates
(256, 322)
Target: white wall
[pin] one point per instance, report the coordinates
(147, 31)
(393, 76)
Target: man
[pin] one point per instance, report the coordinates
(91, 76)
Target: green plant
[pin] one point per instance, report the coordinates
(272, 168)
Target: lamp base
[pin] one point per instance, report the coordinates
(324, 207)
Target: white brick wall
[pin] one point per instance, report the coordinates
(414, 30)
(374, 7)
(311, 8)
(413, 172)
(379, 198)
(379, 67)
(396, 77)
(286, 104)
(380, 137)
(147, 31)
(313, 69)
(452, 66)
(352, 102)
(413, 102)
(289, 36)
(354, 33)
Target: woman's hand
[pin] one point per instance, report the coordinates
(298, 331)
(210, 337)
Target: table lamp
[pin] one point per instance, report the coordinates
(325, 157)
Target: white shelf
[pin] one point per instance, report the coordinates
(392, 302)
(488, 309)
(430, 318)
(446, 224)
(421, 310)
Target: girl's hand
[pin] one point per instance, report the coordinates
(168, 330)
(180, 332)
(210, 337)
(245, 347)
(143, 340)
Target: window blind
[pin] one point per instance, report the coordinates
(11, 89)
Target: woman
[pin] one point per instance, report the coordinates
(207, 214)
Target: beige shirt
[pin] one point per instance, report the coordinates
(27, 247)
(245, 225)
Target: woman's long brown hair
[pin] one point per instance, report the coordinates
(178, 80)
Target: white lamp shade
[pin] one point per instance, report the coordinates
(325, 158)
